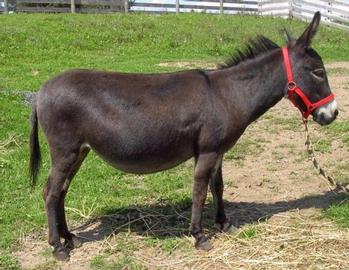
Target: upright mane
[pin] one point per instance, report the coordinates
(255, 47)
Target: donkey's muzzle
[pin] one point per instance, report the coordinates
(326, 114)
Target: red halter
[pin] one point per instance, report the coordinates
(294, 90)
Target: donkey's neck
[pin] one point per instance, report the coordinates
(254, 86)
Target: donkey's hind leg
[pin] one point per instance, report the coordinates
(63, 159)
(71, 241)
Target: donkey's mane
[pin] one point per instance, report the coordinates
(255, 47)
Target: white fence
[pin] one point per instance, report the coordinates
(265, 7)
(335, 12)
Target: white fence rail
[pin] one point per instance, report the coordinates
(335, 12)
(264, 7)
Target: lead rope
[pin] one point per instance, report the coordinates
(318, 168)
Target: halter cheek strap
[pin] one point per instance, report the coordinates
(293, 90)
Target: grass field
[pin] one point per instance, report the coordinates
(34, 48)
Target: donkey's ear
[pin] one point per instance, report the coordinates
(291, 41)
(305, 39)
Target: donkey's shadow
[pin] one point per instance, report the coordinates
(169, 220)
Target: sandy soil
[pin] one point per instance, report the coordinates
(276, 189)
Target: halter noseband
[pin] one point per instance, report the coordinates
(293, 90)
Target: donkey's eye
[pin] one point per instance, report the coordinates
(319, 73)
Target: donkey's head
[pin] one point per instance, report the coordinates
(308, 87)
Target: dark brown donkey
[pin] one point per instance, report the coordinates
(144, 123)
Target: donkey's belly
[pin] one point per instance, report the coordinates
(145, 142)
(143, 166)
(147, 166)
(143, 161)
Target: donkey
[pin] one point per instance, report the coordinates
(144, 123)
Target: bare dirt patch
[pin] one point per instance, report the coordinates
(188, 64)
(273, 196)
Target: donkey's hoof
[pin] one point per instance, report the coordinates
(204, 245)
(74, 242)
(61, 254)
(226, 227)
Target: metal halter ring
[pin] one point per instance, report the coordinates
(291, 85)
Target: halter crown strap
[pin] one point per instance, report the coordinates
(287, 63)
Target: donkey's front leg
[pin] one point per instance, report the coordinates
(216, 187)
(205, 166)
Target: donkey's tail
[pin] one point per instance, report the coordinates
(35, 155)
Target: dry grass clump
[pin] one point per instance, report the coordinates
(4, 148)
(11, 140)
(286, 241)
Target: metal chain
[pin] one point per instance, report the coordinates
(319, 169)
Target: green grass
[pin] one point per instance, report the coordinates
(339, 212)
(8, 262)
(121, 263)
(34, 48)
(285, 123)
(337, 131)
(322, 145)
(247, 233)
(243, 148)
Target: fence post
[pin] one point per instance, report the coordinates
(5, 6)
(260, 5)
(126, 6)
(329, 10)
(177, 6)
(221, 7)
(290, 9)
(72, 6)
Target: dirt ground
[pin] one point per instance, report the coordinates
(274, 197)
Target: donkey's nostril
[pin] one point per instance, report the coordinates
(336, 112)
